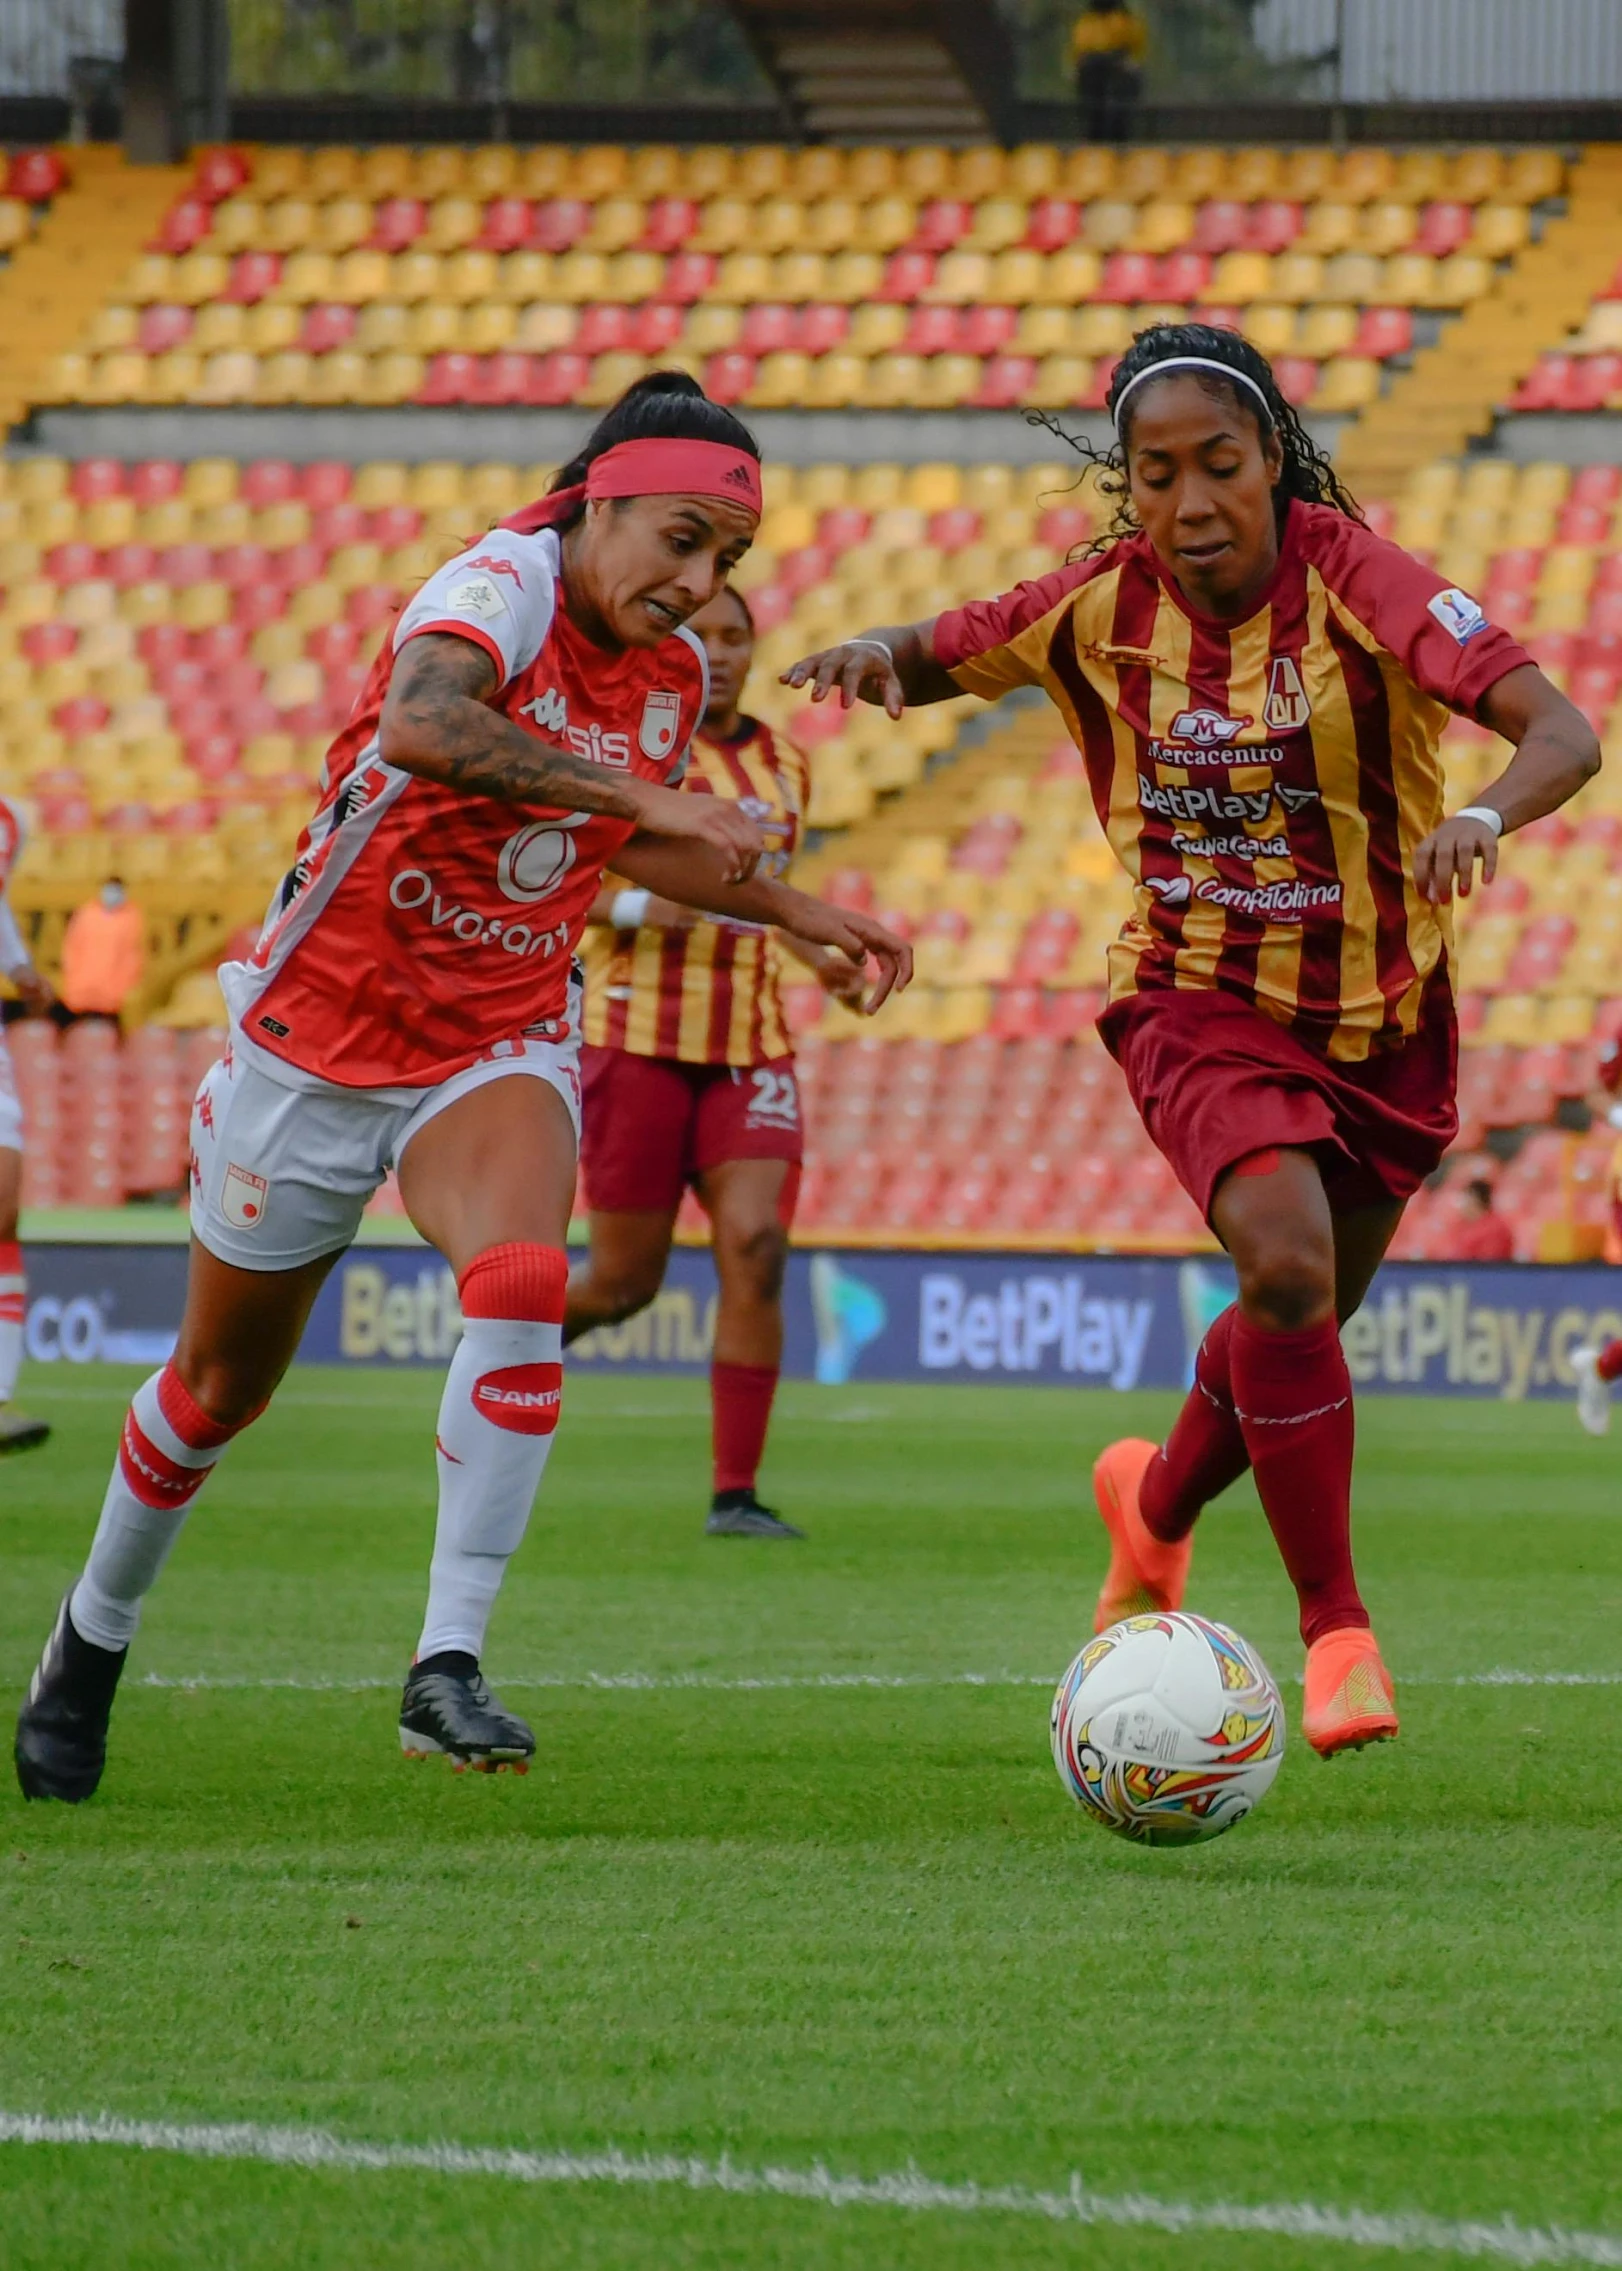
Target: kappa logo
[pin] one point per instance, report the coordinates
(1207, 729)
(1287, 708)
(549, 710)
(495, 567)
(242, 1197)
(525, 1399)
(661, 723)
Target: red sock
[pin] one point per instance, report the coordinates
(1293, 1395)
(740, 1412)
(1609, 1366)
(1205, 1450)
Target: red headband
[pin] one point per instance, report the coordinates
(674, 469)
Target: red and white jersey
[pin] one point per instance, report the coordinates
(420, 926)
(12, 837)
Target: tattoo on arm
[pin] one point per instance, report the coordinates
(437, 723)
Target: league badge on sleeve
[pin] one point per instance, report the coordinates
(661, 724)
(478, 596)
(242, 1197)
(1459, 615)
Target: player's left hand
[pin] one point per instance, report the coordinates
(36, 993)
(860, 939)
(842, 979)
(1446, 861)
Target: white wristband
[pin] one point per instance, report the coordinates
(1485, 814)
(628, 910)
(883, 646)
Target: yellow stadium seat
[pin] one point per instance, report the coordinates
(434, 327)
(1270, 326)
(172, 378)
(287, 224)
(493, 490)
(545, 171)
(1545, 482)
(333, 171)
(148, 280)
(108, 521)
(885, 223)
(1347, 383)
(1067, 277)
(342, 223)
(934, 487)
(436, 486)
(1532, 175)
(1198, 174)
(962, 279)
(1101, 330)
(415, 276)
(1330, 226)
(1060, 381)
(1163, 224)
(525, 276)
(1364, 174)
(742, 279)
(1473, 176)
(654, 170)
(1143, 172)
(871, 171)
(1327, 329)
(209, 481)
(393, 377)
(228, 522)
(1409, 281)
(314, 604)
(438, 172)
(707, 171)
(201, 605)
(780, 380)
(632, 276)
(762, 171)
(361, 275)
(852, 277)
(492, 171)
(1042, 330)
(893, 382)
(817, 172)
(875, 488)
(710, 329)
(384, 172)
(977, 172)
(1238, 278)
(352, 566)
(271, 327)
(1356, 277)
(283, 377)
(383, 325)
(469, 276)
(1297, 278)
(796, 278)
(65, 378)
(998, 222)
(1458, 280)
(279, 172)
(198, 276)
(335, 378)
(1031, 171)
(306, 278)
(488, 326)
(544, 327)
(1306, 175)
(452, 222)
(610, 376)
(1087, 172)
(1500, 231)
(1420, 176)
(1385, 227)
(50, 517)
(110, 328)
(218, 328)
(1109, 222)
(239, 225)
(926, 171)
(1254, 174)
(615, 223)
(830, 223)
(835, 381)
(949, 381)
(16, 223)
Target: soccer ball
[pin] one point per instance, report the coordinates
(1167, 1729)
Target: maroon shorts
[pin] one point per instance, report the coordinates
(651, 1125)
(1215, 1079)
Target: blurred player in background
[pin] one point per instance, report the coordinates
(1598, 1363)
(1259, 686)
(688, 1079)
(411, 1002)
(17, 1431)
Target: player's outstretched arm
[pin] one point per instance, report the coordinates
(1556, 751)
(894, 668)
(437, 723)
(691, 875)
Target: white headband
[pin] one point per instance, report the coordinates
(1192, 363)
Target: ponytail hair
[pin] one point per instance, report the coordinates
(1307, 473)
(666, 406)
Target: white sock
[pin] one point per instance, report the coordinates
(13, 1309)
(496, 1422)
(167, 1452)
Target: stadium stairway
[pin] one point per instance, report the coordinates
(1453, 391)
(886, 70)
(57, 279)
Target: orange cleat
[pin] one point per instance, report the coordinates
(1144, 1573)
(1349, 1701)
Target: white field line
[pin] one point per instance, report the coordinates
(908, 2189)
(748, 1684)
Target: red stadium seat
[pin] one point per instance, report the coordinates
(253, 276)
(1383, 332)
(155, 480)
(1006, 382)
(184, 226)
(95, 477)
(688, 277)
(1273, 225)
(944, 222)
(667, 224)
(1444, 228)
(728, 377)
(159, 328)
(450, 379)
(1183, 275)
(907, 276)
(507, 225)
(1220, 226)
(48, 641)
(767, 328)
(327, 327)
(1128, 278)
(1053, 224)
(327, 482)
(559, 223)
(35, 176)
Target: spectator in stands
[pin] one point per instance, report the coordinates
(1106, 45)
(103, 953)
(1480, 1234)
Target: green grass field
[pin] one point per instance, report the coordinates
(855, 1925)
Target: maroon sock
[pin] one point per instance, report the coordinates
(1609, 1366)
(740, 1413)
(1205, 1450)
(1293, 1394)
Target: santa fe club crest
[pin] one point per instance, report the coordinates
(661, 722)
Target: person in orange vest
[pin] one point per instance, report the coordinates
(103, 953)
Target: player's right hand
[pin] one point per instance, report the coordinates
(862, 669)
(713, 820)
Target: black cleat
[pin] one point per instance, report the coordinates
(447, 1710)
(20, 1433)
(61, 1743)
(739, 1514)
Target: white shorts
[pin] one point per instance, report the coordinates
(11, 1110)
(281, 1176)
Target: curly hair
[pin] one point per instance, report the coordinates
(1307, 472)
